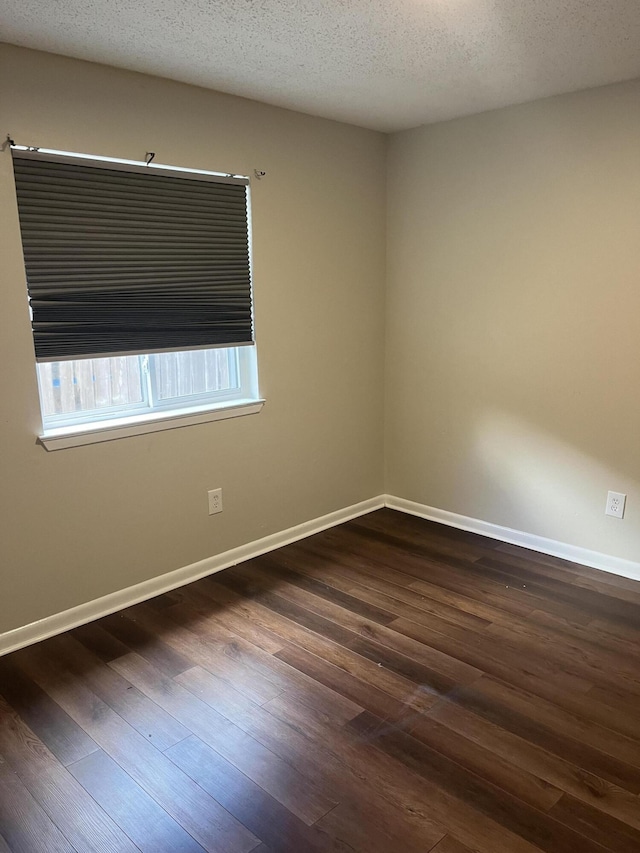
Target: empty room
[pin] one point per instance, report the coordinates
(319, 427)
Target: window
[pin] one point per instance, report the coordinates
(95, 390)
(139, 282)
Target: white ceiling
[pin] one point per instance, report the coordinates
(384, 64)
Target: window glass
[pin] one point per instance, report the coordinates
(90, 384)
(182, 374)
(85, 391)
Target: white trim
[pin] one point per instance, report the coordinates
(573, 553)
(58, 439)
(91, 610)
(59, 622)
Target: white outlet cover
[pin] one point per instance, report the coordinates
(215, 501)
(615, 504)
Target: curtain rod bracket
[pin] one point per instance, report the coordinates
(149, 156)
(259, 173)
(11, 143)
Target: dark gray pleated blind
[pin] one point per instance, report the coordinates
(122, 261)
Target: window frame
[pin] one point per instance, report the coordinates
(85, 428)
(152, 414)
(150, 371)
(244, 369)
(97, 432)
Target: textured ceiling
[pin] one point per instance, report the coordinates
(384, 64)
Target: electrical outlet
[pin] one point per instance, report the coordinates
(215, 501)
(615, 504)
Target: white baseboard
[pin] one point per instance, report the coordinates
(594, 559)
(83, 613)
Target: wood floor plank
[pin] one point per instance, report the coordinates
(82, 822)
(273, 567)
(627, 632)
(599, 668)
(272, 667)
(610, 833)
(372, 831)
(394, 520)
(62, 736)
(570, 778)
(537, 560)
(605, 709)
(616, 708)
(344, 683)
(24, 825)
(389, 685)
(564, 630)
(493, 654)
(406, 568)
(190, 635)
(495, 706)
(388, 681)
(419, 531)
(505, 809)
(500, 660)
(222, 622)
(99, 641)
(406, 603)
(384, 576)
(455, 572)
(571, 574)
(427, 589)
(430, 680)
(450, 845)
(200, 815)
(417, 794)
(138, 814)
(486, 764)
(146, 717)
(451, 668)
(147, 644)
(250, 804)
(561, 592)
(379, 591)
(625, 592)
(258, 763)
(571, 725)
(295, 742)
(455, 585)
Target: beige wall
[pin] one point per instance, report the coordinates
(79, 523)
(513, 334)
(512, 378)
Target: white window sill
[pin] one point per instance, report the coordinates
(74, 436)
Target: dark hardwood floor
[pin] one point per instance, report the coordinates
(388, 686)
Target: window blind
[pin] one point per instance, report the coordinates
(125, 259)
